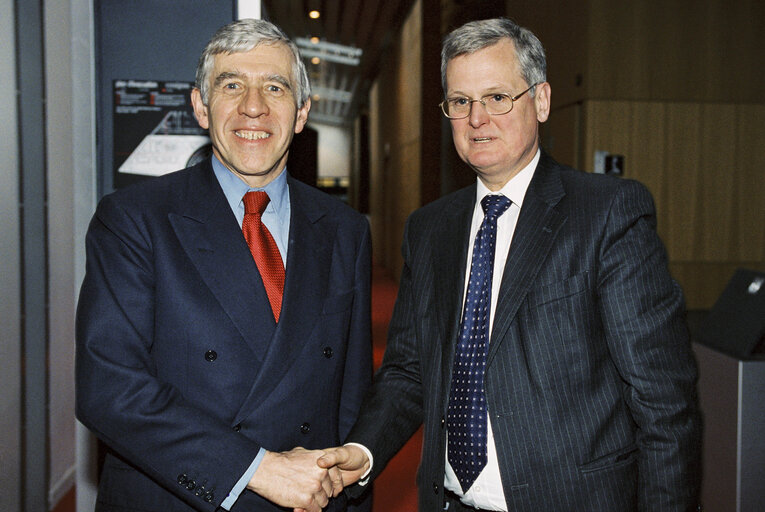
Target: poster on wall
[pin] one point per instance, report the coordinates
(155, 131)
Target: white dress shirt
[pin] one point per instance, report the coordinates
(486, 492)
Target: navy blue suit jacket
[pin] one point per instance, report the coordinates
(590, 381)
(181, 369)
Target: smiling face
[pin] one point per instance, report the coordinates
(252, 114)
(497, 147)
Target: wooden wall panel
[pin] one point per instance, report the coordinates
(560, 26)
(560, 135)
(705, 167)
(750, 183)
(682, 175)
(395, 133)
(646, 151)
(615, 31)
(675, 50)
(677, 88)
(376, 174)
(714, 221)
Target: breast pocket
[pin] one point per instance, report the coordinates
(552, 292)
(557, 329)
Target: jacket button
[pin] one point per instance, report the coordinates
(443, 422)
(182, 479)
(211, 355)
(209, 497)
(435, 488)
(305, 428)
(237, 427)
(328, 352)
(190, 485)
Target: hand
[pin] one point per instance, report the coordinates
(350, 460)
(293, 479)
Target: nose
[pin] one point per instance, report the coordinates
(478, 114)
(252, 103)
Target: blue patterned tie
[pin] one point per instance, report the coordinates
(466, 416)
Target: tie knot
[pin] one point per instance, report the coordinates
(495, 205)
(255, 202)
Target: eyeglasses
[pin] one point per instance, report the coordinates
(496, 104)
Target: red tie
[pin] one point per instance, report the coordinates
(263, 248)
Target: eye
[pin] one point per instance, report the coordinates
(231, 87)
(499, 98)
(275, 89)
(458, 102)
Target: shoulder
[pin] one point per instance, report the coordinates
(316, 204)
(155, 198)
(454, 201)
(587, 190)
(163, 189)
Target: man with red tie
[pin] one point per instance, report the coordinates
(224, 315)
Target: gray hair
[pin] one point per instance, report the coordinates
(477, 35)
(242, 36)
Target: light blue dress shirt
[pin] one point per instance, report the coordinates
(276, 218)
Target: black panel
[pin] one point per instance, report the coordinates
(736, 323)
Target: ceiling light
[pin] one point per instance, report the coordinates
(314, 14)
(315, 40)
(315, 60)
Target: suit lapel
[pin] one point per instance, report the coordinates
(451, 242)
(535, 232)
(208, 231)
(309, 258)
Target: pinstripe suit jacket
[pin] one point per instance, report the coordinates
(590, 381)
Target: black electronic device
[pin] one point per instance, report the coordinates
(736, 323)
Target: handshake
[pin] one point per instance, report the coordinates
(306, 479)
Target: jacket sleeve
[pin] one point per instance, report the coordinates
(393, 409)
(357, 374)
(642, 311)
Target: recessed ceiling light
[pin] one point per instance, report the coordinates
(314, 14)
(315, 40)
(315, 60)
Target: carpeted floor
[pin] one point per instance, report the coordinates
(395, 489)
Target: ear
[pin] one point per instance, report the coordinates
(302, 116)
(542, 101)
(200, 109)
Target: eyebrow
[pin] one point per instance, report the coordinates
(281, 80)
(488, 91)
(226, 75)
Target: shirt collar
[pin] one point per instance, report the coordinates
(516, 188)
(234, 188)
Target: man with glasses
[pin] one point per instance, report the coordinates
(537, 332)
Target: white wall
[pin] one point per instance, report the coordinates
(334, 150)
(83, 129)
(61, 286)
(10, 270)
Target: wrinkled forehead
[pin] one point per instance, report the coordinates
(263, 55)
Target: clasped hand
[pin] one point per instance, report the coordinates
(306, 479)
